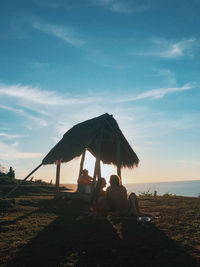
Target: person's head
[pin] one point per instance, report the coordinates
(101, 183)
(84, 172)
(114, 180)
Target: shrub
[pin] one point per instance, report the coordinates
(4, 180)
(169, 195)
(146, 193)
(155, 193)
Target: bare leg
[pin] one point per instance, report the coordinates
(135, 210)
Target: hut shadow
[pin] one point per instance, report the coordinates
(74, 239)
(149, 246)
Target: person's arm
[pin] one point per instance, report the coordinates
(90, 178)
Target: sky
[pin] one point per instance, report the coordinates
(63, 62)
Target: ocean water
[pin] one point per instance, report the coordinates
(183, 188)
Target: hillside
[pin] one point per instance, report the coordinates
(38, 230)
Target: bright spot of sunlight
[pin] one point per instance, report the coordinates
(106, 170)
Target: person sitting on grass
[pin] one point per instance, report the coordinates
(84, 182)
(118, 201)
(99, 204)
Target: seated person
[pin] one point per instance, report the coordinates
(118, 200)
(99, 197)
(84, 182)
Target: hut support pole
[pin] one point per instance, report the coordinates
(95, 171)
(82, 162)
(58, 163)
(118, 161)
(97, 168)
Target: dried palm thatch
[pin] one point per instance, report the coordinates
(101, 136)
(102, 130)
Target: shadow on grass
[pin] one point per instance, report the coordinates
(28, 189)
(76, 240)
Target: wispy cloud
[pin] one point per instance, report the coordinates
(122, 7)
(40, 101)
(169, 49)
(104, 59)
(157, 93)
(9, 152)
(168, 77)
(11, 109)
(11, 136)
(21, 112)
(42, 97)
(67, 34)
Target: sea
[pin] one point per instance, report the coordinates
(180, 188)
(183, 188)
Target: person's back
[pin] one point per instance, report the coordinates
(99, 197)
(117, 196)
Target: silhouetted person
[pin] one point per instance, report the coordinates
(118, 200)
(99, 203)
(11, 173)
(84, 182)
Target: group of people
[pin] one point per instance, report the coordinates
(114, 199)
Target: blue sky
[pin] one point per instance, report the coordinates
(63, 62)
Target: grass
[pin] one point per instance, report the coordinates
(38, 230)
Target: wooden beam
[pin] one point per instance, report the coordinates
(58, 163)
(82, 162)
(118, 159)
(11, 191)
(97, 167)
(95, 171)
(99, 170)
(98, 153)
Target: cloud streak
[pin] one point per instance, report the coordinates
(66, 34)
(121, 7)
(169, 49)
(38, 96)
(8, 152)
(157, 93)
(21, 112)
(11, 136)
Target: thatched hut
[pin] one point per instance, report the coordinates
(102, 137)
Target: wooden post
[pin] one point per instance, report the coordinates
(97, 167)
(95, 171)
(82, 162)
(118, 160)
(58, 163)
(11, 191)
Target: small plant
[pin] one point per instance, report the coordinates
(11, 173)
(169, 195)
(155, 193)
(146, 193)
(7, 177)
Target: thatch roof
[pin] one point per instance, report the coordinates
(84, 136)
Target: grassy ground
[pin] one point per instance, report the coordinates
(37, 230)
